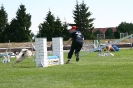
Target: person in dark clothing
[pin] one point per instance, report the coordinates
(77, 43)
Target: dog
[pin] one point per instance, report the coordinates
(107, 51)
(22, 55)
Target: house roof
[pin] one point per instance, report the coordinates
(103, 30)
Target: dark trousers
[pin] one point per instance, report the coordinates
(75, 46)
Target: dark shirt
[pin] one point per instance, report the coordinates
(77, 36)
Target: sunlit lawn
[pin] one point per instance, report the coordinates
(90, 72)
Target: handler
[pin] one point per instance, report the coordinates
(77, 43)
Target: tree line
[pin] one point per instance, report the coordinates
(18, 30)
(52, 27)
(123, 27)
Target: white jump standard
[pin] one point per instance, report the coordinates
(42, 58)
(57, 46)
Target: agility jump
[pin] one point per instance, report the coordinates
(42, 58)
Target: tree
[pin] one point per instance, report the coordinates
(65, 32)
(46, 29)
(124, 27)
(83, 20)
(116, 35)
(109, 33)
(3, 23)
(51, 27)
(77, 15)
(19, 26)
(32, 36)
(96, 32)
(58, 28)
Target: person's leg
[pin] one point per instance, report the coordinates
(70, 53)
(77, 50)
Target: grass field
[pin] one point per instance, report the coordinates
(90, 72)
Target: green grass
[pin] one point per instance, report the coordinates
(90, 72)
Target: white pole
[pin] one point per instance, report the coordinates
(41, 52)
(57, 46)
(131, 41)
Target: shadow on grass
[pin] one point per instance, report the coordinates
(24, 64)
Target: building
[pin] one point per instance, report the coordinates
(103, 30)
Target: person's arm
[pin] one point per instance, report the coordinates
(70, 39)
(113, 48)
(83, 39)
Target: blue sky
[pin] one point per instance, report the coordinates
(107, 13)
